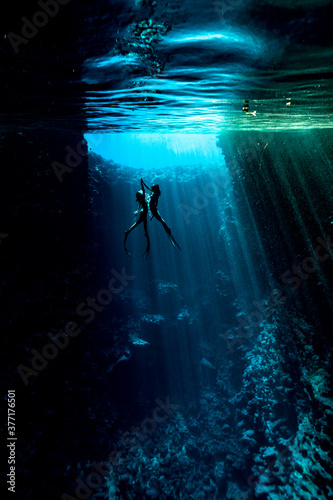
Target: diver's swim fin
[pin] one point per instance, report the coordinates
(128, 253)
(173, 241)
(145, 255)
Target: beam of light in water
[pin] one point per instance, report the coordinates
(218, 226)
(240, 229)
(228, 258)
(200, 207)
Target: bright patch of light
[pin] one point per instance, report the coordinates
(236, 39)
(109, 61)
(156, 150)
(199, 38)
(115, 60)
(237, 36)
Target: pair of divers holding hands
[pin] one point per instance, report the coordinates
(142, 214)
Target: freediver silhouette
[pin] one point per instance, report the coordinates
(153, 202)
(142, 212)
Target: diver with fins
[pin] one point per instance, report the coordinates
(152, 203)
(142, 211)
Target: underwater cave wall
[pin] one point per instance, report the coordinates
(47, 263)
(285, 181)
(284, 407)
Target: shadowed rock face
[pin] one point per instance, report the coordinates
(160, 381)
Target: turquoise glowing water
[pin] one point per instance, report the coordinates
(162, 66)
(228, 106)
(192, 72)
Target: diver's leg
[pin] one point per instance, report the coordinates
(133, 226)
(164, 224)
(167, 229)
(147, 236)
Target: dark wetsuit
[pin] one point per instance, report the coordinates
(155, 213)
(153, 202)
(142, 218)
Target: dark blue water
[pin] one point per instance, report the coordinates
(198, 372)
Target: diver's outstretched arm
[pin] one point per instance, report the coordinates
(150, 189)
(143, 188)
